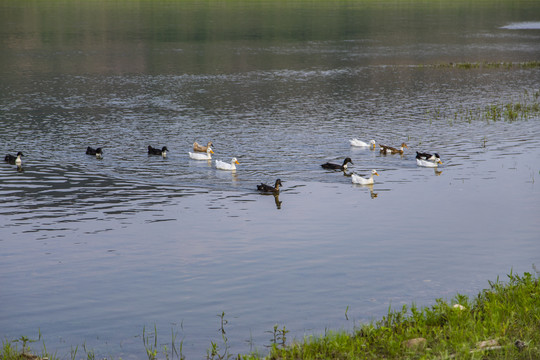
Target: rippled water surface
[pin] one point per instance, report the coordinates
(95, 250)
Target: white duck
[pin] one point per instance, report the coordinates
(202, 156)
(360, 143)
(427, 163)
(357, 179)
(222, 165)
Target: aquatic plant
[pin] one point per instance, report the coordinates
(279, 336)
(483, 65)
(213, 353)
(151, 348)
(525, 108)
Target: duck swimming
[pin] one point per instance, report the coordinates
(155, 151)
(360, 143)
(222, 165)
(357, 179)
(391, 150)
(14, 160)
(97, 152)
(202, 156)
(269, 188)
(428, 160)
(201, 148)
(425, 156)
(336, 166)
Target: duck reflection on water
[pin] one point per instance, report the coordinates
(271, 190)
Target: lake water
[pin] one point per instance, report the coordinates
(93, 251)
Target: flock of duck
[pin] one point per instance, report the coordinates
(422, 159)
(201, 152)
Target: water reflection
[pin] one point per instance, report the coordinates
(277, 201)
(372, 193)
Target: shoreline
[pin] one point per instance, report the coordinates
(501, 322)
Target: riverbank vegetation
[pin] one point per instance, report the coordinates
(525, 108)
(484, 65)
(501, 322)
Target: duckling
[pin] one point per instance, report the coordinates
(222, 165)
(14, 160)
(336, 166)
(269, 188)
(201, 156)
(391, 150)
(357, 179)
(201, 148)
(156, 151)
(360, 143)
(97, 152)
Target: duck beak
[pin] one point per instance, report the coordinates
(376, 173)
(439, 161)
(212, 151)
(237, 163)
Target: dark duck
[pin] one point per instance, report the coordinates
(336, 166)
(97, 152)
(156, 151)
(269, 188)
(14, 160)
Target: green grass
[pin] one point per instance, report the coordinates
(506, 314)
(525, 108)
(505, 317)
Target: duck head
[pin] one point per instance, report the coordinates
(346, 161)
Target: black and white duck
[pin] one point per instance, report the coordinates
(332, 166)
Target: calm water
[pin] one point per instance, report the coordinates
(93, 251)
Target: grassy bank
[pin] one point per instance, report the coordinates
(501, 322)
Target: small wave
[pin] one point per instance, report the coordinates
(528, 25)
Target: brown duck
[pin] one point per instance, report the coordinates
(200, 148)
(391, 150)
(269, 188)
